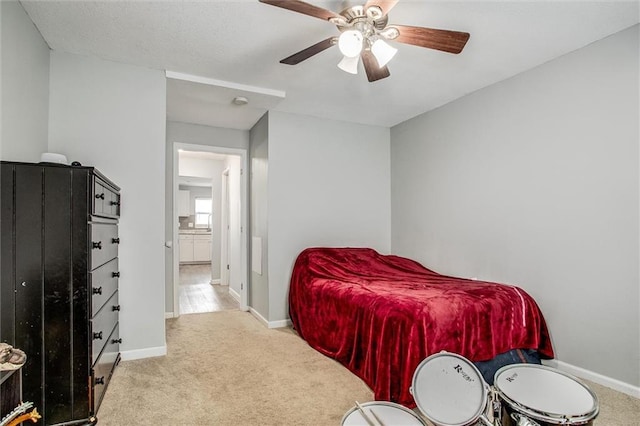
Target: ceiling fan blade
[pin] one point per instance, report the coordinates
(445, 40)
(371, 67)
(384, 5)
(296, 58)
(303, 7)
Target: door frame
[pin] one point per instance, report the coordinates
(243, 217)
(224, 228)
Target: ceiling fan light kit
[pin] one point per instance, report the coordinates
(364, 34)
(349, 64)
(350, 43)
(383, 51)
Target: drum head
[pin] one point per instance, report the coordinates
(547, 391)
(449, 390)
(388, 412)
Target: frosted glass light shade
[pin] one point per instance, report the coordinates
(349, 65)
(350, 43)
(383, 52)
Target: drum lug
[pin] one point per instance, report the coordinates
(494, 407)
(523, 420)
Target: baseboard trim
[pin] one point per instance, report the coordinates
(600, 379)
(144, 353)
(259, 317)
(234, 294)
(269, 324)
(168, 315)
(279, 324)
(216, 281)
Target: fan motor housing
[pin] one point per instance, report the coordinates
(357, 13)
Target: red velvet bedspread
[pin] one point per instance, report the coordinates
(381, 315)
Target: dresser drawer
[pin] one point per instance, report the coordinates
(102, 324)
(106, 200)
(113, 209)
(103, 368)
(104, 243)
(104, 281)
(98, 195)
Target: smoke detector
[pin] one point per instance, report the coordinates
(240, 100)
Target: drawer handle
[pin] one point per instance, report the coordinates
(114, 341)
(115, 203)
(97, 336)
(97, 245)
(115, 274)
(100, 196)
(115, 240)
(100, 380)
(97, 290)
(115, 308)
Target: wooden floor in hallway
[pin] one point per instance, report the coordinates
(198, 295)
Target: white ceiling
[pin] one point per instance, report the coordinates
(235, 47)
(193, 179)
(214, 156)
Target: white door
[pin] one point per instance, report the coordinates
(225, 272)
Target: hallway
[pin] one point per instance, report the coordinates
(198, 295)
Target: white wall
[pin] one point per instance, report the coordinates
(25, 86)
(198, 166)
(328, 186)
(534, 181)
(206, 135)
(112, 116)
(259, 220)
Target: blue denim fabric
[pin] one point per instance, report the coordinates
(515, 356)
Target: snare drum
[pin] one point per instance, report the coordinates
(389, 413)
(449, 390)
(545, 395)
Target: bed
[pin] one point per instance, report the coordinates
(381, 315)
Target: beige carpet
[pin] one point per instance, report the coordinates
(225, 368)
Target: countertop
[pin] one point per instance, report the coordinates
(192, 231)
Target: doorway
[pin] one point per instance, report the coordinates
(200, 284)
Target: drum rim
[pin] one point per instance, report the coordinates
(389, 403)
(485, 396)
(541, 415)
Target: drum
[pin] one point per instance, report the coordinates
(545, 395)
(389, 413)
(449, 390)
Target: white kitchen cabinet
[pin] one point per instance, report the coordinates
(195, 247)
(184, 198)
(186, 248)
(202, 248)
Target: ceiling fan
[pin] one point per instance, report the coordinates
(364, 34)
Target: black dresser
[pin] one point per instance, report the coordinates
(59, 284)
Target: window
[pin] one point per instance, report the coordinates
(203, 212)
